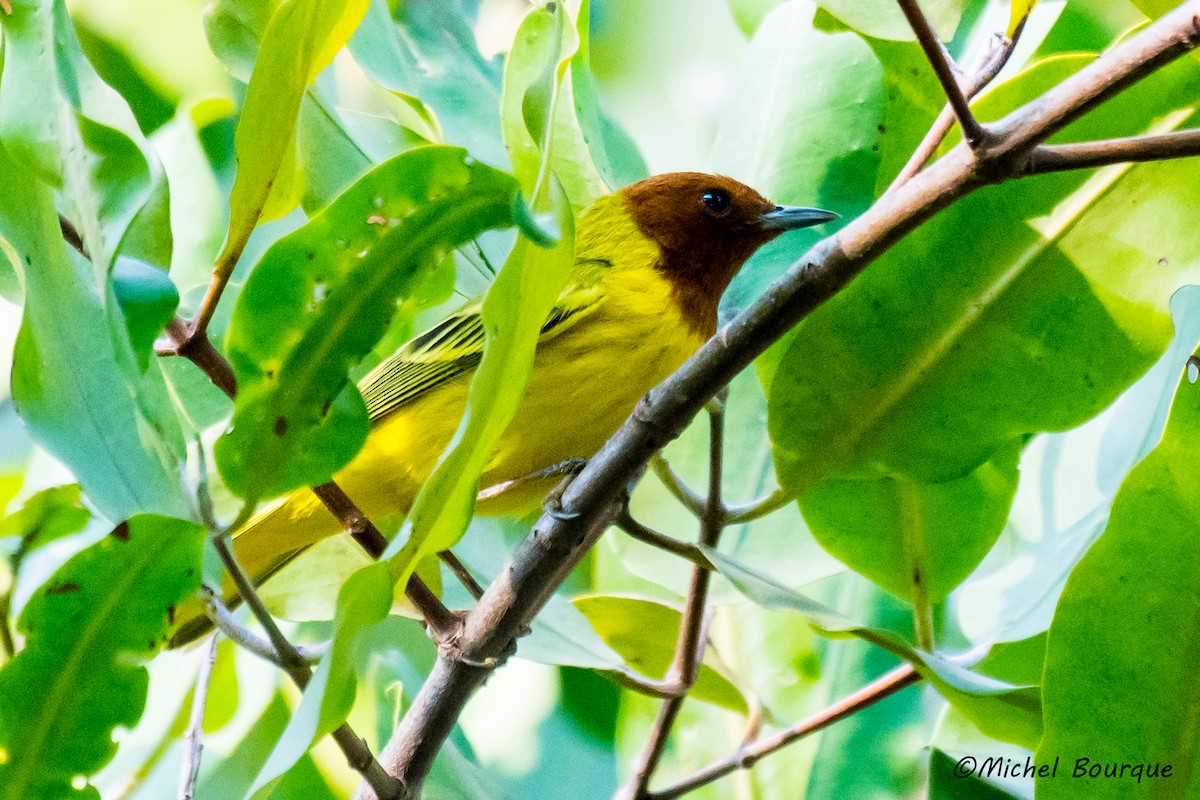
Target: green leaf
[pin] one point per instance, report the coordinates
(914, 99)
(914, 539)
(428, 51)
(1000, 709)
(883, 19)
(644, 633)
(1151, 8)
(802, 128)
(47, 516)
(514, 310)
(301, 39)
(536, 101)
(323, 296)
(1035, 321)
(148, 301)
(1120, 659)
(613, 153)
(363, 601)
(71, 129)
(953, 778)
(88, 630)
(70, 383)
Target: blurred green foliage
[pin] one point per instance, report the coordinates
(955, 426)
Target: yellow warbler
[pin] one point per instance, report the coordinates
(651, 263)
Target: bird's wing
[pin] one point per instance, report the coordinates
(455, 346)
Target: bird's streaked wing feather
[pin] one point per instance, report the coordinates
(452, 347)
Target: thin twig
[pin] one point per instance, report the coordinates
(358, 755)
(193, 742)
(460, 571)
(748, 755)
(1132, 149)
(943, 67)
(689, 649)
(993, 62)
(686, 495)
(182, 341)
(443, 622)
(637, 530)
(563, 535)
(223, 620)
(761, 507)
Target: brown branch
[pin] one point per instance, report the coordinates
(542, 561)
(460, 571)
(749, 754)
(947, 73)
(442, 621)
(1059, 157)
(993, 61)
(198, 349)
(689, 649)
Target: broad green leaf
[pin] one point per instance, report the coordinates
(234, 29)
(153, 106)
(301, 39)
(514, 310)
(883, 19)
(914, 99)
(917, 540)
(1000, 709)
(428, 51)
(45, 517)
(1033, 322)
(71, 129)
(959, 777)
(87, 632)
(611, 150)
(802, 128)
(1151, 8)
(644, 633)
(73, 373)
(575, 162)
(148, 301)
(531, 81)
(1119, 681)
(323, 296)
(363, 601)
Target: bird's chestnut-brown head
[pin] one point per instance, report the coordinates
(706, 227)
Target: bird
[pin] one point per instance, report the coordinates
(651, 263)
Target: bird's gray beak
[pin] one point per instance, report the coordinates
(789, 218)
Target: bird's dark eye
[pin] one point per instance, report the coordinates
(715, 200)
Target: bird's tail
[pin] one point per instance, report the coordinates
(263, 546)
